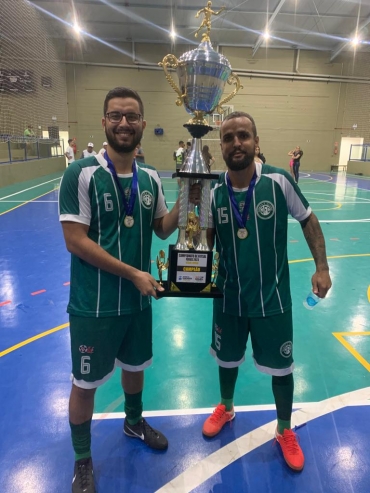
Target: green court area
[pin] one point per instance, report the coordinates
(21, 193)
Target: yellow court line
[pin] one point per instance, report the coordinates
(26, 202)
(352, 350)
(368, 293)
(34, 338)
(331, 257)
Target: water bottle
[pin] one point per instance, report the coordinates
(311, 300)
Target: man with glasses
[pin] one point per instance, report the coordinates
(109, 206)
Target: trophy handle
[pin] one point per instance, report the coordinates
(172, 62)
(233, 79)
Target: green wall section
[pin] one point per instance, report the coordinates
(22, 171)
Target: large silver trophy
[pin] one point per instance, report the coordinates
(202, 75)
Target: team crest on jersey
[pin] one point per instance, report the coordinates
(286, 349)
(265, 209)
(86, 349)
(147, 199)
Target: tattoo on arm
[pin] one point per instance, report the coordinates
(315, 240)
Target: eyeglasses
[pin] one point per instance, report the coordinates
(116, 117)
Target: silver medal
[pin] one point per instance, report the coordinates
(128, 221)
(242, 233)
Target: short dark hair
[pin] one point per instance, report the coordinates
(70, 140)
(181, 142)
(123, 92)
(241, 114)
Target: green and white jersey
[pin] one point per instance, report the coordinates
(253, 273)
(89, 195)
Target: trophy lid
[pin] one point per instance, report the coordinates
(204, 53)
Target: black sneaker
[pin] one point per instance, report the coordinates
(153, 438)
(83, 480)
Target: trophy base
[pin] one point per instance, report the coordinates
(213, 292)
(189, 275)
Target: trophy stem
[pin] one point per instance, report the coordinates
(183, 214)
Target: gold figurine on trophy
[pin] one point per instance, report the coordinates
(192, 228)
(216, 261)
(206, 22)
(162, 265)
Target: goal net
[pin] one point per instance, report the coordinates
(33, 92)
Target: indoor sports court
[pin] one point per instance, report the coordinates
(307, 84)
(331, 376)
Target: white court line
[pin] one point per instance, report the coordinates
(196, 474)
(33, 201)
(26, 189)
(336, 221)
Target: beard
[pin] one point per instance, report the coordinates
(239, 164)
(112, 140)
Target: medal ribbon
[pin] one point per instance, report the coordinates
(128, 206)
(241, 218)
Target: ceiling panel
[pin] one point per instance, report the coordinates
(313, 24)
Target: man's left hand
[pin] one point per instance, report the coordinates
(321, 283)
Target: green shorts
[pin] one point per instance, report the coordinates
(98, 345)
(272, 340)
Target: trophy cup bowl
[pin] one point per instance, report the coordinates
(202, 74)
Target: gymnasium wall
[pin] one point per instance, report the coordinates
(311, 114)
(21, 171)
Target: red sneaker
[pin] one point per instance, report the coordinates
(214, 423)
(292, 452)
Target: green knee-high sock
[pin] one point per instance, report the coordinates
(133, 407)
(81, 439)
(227, 378)
(283, 388)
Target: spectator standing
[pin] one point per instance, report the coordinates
(89, 151)
(179, 155)
(74, 146)
(296, 155)
(29, 131)
(259, 156)
(208, 158)
(140, 157)
(69, 154)
(104, 148)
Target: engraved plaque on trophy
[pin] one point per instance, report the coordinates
(202, 75)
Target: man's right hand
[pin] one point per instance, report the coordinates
(146, 284)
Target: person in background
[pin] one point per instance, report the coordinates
(259, 156)
(109, 235)
(104, 148)
(140, 156)
(249, 220)
(179, 155)
(296, 155)
(74, 146)
(89, 151)
(188, 149)
(29, 131)
(69, 154)
(208, 158)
